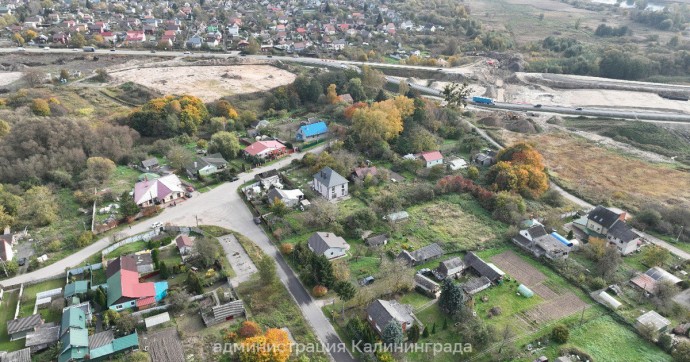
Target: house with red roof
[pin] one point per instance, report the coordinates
(135, 36)
(431, 158)
(184, 244)
(265, 149)
(124, 289)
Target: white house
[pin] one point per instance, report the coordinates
(290, 198)
(184, 244)
(608, 223)
(431, 158)
(330, 184)
(328, 244)
(162, 190)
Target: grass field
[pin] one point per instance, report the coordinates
(456, 220)
(599, 174)
(646, 136)
(606, 340)
(127, 249)
(7, 309)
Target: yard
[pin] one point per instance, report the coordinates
(29, 299)
(606, 340)
(9, 304)
(455, 220)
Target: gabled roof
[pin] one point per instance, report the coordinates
(117, 345)
(536, 231)
(452, 265)
(72, 317)
(24, 324)
(78, 287)
(261, 146)
(322, 241)
(430, 251)
(314, 129)
(377, 240)
(622, 231)
(660, 274)
(22, 355)
(474, 284)
(43, 335)
(329, 178)
(362, 172)
(426, 283)
(383, 311)
(184, 240)
(123, 281)
(431, 156)
(653, 318)
(481, 267)
(159, 188)
(603, 216)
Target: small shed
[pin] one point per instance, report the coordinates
(654, 319)
(606, 299)
(397, 216)
(156, 320)
(525, 292)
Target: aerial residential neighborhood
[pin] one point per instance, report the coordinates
(344, 180)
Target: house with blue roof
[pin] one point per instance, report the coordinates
(310, 132)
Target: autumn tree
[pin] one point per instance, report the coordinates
(169, 116)
(18, 38)
(273, 346)
(4, 128)
(223, 108)
(40, 107)
(596, 247)
(253, 47)
(225, 143)
(382, 121)
(654, 255)
(331, 94)
(249, 329)
(5, 218)
(520, 168)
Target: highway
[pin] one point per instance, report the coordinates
(554, 109)
(561, 110)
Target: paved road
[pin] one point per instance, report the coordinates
(666, 245)
(612, 112)
(222, 206)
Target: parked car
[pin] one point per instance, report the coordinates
(20, 49)
(234, 178)
(537, 106)
(188, 195)
(257, 220)
(156, 225)
(112, 50)
(190, 189)
(578, 108)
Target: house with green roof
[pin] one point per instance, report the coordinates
(74, 336)
(76, 288)
(103, 345)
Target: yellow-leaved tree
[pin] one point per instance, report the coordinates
(382, 121)
(273, 346)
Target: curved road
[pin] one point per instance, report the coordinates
(222, 206)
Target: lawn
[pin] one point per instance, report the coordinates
(606, 340)
(123, 179)
(504, 296)
(456, 220)
(9, 304)
(29, 298)
(127, 249)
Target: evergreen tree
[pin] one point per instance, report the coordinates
(163, 270)
(451, 299)
(425, 333)
(433, 328)
(381, 96)
(413, 334)
(393, 333)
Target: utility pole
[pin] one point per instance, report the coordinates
(680, 232)
(582, 317)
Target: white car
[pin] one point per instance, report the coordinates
(20, 49)
(156, 225)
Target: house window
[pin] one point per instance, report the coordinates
(119, 307)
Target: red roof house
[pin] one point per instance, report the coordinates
(432, 158)
(264, 149)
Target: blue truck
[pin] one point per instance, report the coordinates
(483, 100)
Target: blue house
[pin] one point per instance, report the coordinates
(311, 131)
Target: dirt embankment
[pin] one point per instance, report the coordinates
(207, 82)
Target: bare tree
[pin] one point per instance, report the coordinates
(34, 77)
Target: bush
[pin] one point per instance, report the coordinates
(319, 291)
(287, 248)
(40, 107)
(560, 334)
(249, 329)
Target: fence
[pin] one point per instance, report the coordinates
(82, 269)
(146, 236)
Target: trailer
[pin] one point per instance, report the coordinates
(483, 100)
(89, 49)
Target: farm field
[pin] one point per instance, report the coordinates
(207, 82)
